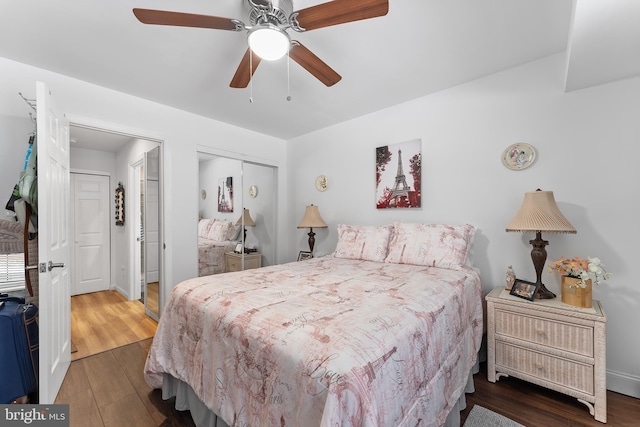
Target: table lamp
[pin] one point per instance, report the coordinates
(245, 220)
(539, 212)
(310, 220)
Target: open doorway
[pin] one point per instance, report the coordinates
(111, 152)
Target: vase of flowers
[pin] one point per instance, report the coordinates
(578, 275)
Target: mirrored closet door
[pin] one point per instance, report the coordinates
(236, 214)
(151, 226)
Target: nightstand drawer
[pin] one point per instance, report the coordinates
(559, 335)
(233, 261)
(564, 372)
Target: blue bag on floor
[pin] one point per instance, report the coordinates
(18, 349)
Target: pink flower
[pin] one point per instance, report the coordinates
(583, 269)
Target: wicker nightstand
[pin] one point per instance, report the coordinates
(233, 261)
(550, 344)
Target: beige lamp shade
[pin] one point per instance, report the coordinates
(248, 221)
(540, 212)
(312, 218)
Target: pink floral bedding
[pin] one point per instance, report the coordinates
(323, 342)
(211, 256)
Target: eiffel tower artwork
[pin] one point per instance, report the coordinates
(394, 189)
(400, 192)
(225, 194)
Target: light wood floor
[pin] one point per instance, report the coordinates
(106, 320)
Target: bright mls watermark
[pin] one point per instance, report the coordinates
(34, 415)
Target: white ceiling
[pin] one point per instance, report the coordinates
(418, 48)
(96, 139)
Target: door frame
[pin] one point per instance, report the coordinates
(104, 126)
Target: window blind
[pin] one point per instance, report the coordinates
(11, 271)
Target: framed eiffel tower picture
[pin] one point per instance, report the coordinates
(225, 194)
(399, 175)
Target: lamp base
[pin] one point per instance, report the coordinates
(544, 293)
(539, 257)
(312, 239)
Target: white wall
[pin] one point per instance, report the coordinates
(181, 132)
(587, 145)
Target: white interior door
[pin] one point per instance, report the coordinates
(54, 247)
(90, 227)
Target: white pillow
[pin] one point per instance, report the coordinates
(221, 230)
(204, 225)
(369, 243)
(434, 245)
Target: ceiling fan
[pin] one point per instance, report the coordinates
(267, 35)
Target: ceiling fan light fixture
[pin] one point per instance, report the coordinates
(268, 41)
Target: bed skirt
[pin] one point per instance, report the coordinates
(186, 400)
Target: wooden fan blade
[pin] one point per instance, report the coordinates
(310, 62)
(340, 12)
(179, 19)
(242, 77)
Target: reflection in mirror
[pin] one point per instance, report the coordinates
(261, 237)
(223, 197)
(151, 230)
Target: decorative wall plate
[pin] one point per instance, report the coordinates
(321, 183)
(519, 156)
(253, 191)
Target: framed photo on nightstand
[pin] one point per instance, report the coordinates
(524, 289)
(304, 255)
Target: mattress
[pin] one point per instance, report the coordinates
(323, 342)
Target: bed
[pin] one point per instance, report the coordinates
(383, 332)
(215, 237)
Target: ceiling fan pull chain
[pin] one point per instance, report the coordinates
(250, 76)
(288, 78)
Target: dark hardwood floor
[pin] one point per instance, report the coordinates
(535, 406)
(108, 389)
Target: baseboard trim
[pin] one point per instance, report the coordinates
(122, 292)
(623, 383)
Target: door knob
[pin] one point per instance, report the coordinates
(53, 265)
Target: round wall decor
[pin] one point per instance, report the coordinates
(519, 156)
(322, 183)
